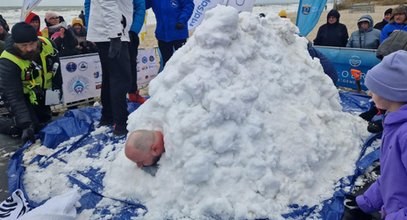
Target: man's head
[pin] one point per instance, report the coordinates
(333, 16)
(387, 14)
(25, 40)
(144, 147)
(399, 15)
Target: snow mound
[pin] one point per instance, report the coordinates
(251, 124)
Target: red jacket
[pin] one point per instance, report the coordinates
(30, 17)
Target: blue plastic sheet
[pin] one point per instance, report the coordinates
(81, 122)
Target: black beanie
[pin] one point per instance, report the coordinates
(388, 11)
(23, 33)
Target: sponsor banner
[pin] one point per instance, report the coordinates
(201, 6)
(344, 59)
(308, 15)
(82, 77)
(147, 66)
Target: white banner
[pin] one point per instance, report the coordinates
(81, 76)
(28, 5)
(147, 66)
(201, 6)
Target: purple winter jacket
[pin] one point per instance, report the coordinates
(389, 192)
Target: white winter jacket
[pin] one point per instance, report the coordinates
(109, 19)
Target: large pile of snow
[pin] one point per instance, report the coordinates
(251, 124)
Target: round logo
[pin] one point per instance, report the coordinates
(83, 66)
(144, 60)
(71, 67)
(96, 74)
(151, 58)
(78, 85)
(355, 61)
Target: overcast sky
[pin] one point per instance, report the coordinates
(44, 2)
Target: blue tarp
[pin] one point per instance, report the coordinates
(80, 122)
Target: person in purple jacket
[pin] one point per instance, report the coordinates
(387, 83)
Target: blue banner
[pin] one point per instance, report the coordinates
(308, 15)
(344, 59)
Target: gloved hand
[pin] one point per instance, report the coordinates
(352, 210)
(179, 26)
(115, 47)
(28, 135)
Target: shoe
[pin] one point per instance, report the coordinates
(119, 130)
(136, 97)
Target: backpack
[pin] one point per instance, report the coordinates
(396, 41)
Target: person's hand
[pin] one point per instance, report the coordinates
(179, 26)
(353, 209)
(115, 47)
(28, 135)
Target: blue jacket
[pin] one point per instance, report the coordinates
(389, 192)
(168, 13)
(139, 12)
(389, 28)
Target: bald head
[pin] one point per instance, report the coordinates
(144, 147)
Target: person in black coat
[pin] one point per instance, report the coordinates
(386, 19)
(22, 91)
(332, 33)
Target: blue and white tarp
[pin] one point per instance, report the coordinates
(308, 15)
(80, 123)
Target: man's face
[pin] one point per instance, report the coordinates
(28, 51)
(142, 158)
(35, 24)
(364, 25)
(387, 16)
(400, 18)
(332, 19)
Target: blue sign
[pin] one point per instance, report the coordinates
(344, 59)
(308, 15)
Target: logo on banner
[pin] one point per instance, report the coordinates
(96, 74)
(306, 9)
(71, 67)
(78, 85)
(144, 59)
(83, 66)
(355, 61)
(151, 58)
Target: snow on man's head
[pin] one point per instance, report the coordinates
(251, 124)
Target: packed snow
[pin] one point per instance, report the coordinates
(251, 125)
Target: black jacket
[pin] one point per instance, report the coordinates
(11, 89)
(380, 25)
(334, 35)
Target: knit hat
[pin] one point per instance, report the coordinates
(23, 33)
(399, 10)
(388, 79)
(282, 13)
(77, 21)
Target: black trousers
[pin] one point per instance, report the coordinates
(168, 48)
(116, 78)
(133, 50)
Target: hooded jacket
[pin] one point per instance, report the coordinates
(389, 192)
(11, 88)
(392, 25)
(168, 13)
(31, 16)
(368, 39)
(334, 35)
(108, 19)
